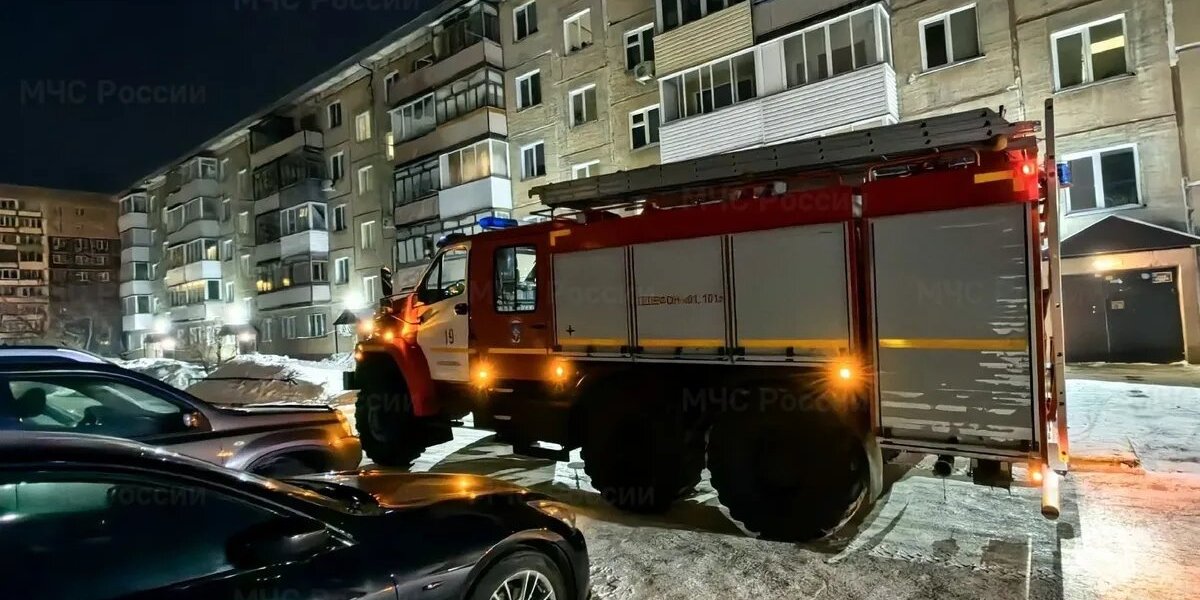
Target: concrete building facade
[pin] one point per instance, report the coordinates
(582, 98)
(59, 268)
(456, 116)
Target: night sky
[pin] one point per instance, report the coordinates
(88, 83)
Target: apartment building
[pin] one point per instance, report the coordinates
(582, 98)
(737, 74)
(1116, 71)
(272, 235)
(58, 268)
(445, 98)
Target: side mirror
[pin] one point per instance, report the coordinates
(191, 420)
(277, 541)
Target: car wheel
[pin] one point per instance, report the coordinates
(522, 575)
(285, 466)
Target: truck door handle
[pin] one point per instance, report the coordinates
(461, 308)
(537, 326)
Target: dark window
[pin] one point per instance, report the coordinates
(1103, 180)
(525, 18)
(117, 535)
(935, 45)
(516, 279)
(88, 404)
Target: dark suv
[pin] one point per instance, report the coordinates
(40, 393)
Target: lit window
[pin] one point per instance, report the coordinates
(362, 126)
(366, 182)
(367, 239)
(1089, 53)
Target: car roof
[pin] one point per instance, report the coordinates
(43, 354)
(60, 447)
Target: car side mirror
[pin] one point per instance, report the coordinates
(191, 420)
(277, 541)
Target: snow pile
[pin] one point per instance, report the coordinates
(1156, 426)
(259, 378)
(173, 372)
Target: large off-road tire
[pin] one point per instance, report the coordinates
(639, 450)
(790, 476)
(390, 434)
(522, 574)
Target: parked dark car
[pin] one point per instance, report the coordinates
(87, 517)
(57, 392)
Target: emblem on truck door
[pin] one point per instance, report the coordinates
(516, 333)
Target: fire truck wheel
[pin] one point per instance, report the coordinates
(788, 478)
(390, 436)
(641, 457)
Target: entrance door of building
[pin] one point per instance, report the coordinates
(1123, 316)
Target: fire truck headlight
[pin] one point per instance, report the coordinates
(483, 377)
(366, 327)
(389, 335)
(560, 371)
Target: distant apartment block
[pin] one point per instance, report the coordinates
(59, 266)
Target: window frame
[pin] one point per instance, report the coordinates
(645, 112)
(945, 19)
(524, 175)
(363, 236)
(338, 272)
(518, 80)
(636, 33)
(340, 159)
(521, 10)
(337, 217)
(1084, 31)
(329, 112)
(496, 280)
(576, 19)
(388, 80)
(580, 93)
(1098, 180)
(362, 134)
(364, 175)
(584, 166)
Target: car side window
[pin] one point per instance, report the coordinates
(86, 404)
(515, 286)
(87, 535)
(447, 277)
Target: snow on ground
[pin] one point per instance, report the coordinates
(174, 372)
(1124, 534)
(257, 378)
(1156, 426)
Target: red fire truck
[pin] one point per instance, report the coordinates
(785, 316)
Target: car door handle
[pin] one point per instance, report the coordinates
(461, 308)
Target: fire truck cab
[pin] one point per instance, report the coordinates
(782, 315)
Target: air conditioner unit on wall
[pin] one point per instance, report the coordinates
(644, 71)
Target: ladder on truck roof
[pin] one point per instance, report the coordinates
(844, 152)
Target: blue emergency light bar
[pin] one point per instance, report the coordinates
(493, 222)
